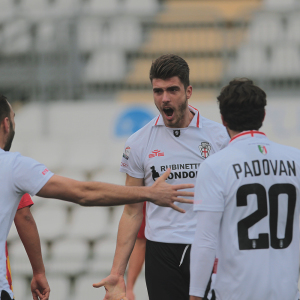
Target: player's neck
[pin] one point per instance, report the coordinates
(232, 133)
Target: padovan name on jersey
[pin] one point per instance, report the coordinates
(265, 167)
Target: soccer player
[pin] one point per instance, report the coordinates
(137, 259)
(178, 138)
(247, 203)
(20, 175)
(28, 233)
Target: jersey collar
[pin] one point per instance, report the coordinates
(247, 134)
(196, 121)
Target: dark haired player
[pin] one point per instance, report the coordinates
(178, 138)
(247, 205)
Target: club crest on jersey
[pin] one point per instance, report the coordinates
(262, 149)
(204, 148)
(126, 153)
(176, 132)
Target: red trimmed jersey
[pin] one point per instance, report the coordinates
(25, 202)
(255, 183)
(153, 149)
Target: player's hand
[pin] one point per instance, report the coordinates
(130, 294)
(164, 194)
(39, 287)
(114, 286)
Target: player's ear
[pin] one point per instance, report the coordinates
(6, 124)
(264, 115)
(189, 91)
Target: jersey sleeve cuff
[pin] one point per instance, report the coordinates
(41, 183)
(197, 292)
(132, 174)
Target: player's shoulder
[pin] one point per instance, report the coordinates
(212, 125)
(286, 150)
(142, 133)
(216, 130)
(9, 156)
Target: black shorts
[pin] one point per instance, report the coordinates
(5, 295)
(167, 271)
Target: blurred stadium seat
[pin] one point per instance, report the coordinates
(106, 66)
(89, 223)
(285, 63)
(68, 257)
(21, 265)
(251, 61)
(103, 256)
(60, 288)
(21, 287)
(51, 222)
(280, 5)
(101, 7)
(293, 25)
(266, 29)
(84, 287)
(141, 8)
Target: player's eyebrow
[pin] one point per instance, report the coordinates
(170, 88)
(157, 90)
(174, 87)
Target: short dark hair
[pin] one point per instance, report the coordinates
(4, 108)
(242, 105)
(170, 65)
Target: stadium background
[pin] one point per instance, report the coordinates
(76, 72)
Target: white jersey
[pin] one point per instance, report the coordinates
(18, 175)
(255, 183)
(154, 148)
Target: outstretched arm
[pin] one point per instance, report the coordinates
(104, 194)
(28, 233)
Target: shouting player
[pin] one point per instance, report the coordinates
(247, 199)
(20, 175)
(178, 138)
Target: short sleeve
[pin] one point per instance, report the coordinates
(29, 176)
(25, 201)
(131, 160)
(208, 189)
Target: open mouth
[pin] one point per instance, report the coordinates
(168, 112)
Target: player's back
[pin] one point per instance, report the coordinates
(259, 239)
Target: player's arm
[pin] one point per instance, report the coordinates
(129, 225)
(135, 265)
(203, 251)
(103, 194)
(29, 236)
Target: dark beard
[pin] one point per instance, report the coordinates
(10, 138)
(182, 109)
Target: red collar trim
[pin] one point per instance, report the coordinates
(252, 132)
(157, 120)
(198, 117)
